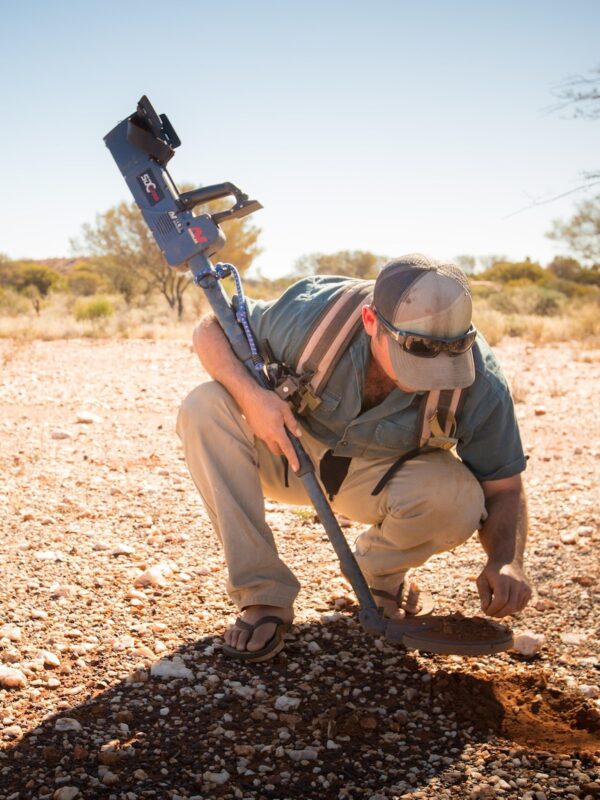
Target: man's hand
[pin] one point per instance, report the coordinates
(266, 413)
(269, 416)
(503, 589)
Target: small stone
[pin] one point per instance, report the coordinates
(65, 793)
(569, 537)
(590, 690)
(331, 745)
(87, 418)
(171, 669)
(10, 632)
(539, 411)
(313, 648)
(66, 724)
(49, 555)
(216, 777)
(140, 775)
(60, 433)
(528, 643)
(109, 778)
(285, 703)
(48, 659)
(307, 754)
(155, 576)
(13, 731)
(123, 549)
(11, 678)
(573, 638)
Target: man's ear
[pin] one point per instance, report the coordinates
(369, 320)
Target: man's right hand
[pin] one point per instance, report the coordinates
(269, 416)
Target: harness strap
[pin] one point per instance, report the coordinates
(328, 339)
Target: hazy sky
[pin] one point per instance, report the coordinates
(385, 126)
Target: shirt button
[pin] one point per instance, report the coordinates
(344, 443)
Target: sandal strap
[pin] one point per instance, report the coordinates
(396, 598)
(246, 626)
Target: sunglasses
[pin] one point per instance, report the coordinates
(426, 346)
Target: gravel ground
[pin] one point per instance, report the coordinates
(112, 684)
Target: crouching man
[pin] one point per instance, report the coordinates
(413, 381)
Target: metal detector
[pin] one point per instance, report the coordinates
(142, 145)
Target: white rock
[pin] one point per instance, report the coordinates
(155, 576)
(87, 417)
(313, 648)
(49, 659)
(65, 724)
(38, 613)
(216, 777)
(11, 678)
(308, 754)
(331, 745)
(65, 793)
(285, 703)
(171, 669)
(63, 590)
(60, 433)
(109, 778)
(125, 642)
(590, 690)
(53, 683)
(122, 549)
(573, 638)
(247, 692)
(13, 731)
(100, 545)
(528, 643)
(10, 632)
(49, 555)
(569, 537)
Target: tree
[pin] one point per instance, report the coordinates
(565, 268)
(505, 271)
(353, 263)
(34, 281)
(467, 263)
(582, 232)
(134, 263)
(581, 93)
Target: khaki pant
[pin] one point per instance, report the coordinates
(431, 505)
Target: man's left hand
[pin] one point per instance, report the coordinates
(503, 589)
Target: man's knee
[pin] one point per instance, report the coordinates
(438, 492)
(201, 406)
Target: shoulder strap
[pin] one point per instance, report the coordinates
(439, 418)
(333, 331)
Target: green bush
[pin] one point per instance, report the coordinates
(84, 282)
(12, 304)
(505, 271)
(95, 308)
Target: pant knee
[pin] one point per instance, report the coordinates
(439, 496)
(201, 406)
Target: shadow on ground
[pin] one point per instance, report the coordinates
(367, 721)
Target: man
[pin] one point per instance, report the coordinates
(416, 336)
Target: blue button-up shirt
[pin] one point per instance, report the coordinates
(488, 436)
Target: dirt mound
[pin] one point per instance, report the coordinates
(524, 709)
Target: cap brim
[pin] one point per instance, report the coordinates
(442, 372)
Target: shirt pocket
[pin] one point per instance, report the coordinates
(329, 403)
(394, 437)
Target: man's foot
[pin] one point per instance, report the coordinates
(404, 602)
(251, 641)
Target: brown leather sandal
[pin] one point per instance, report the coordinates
(271, 648)
(426, 603)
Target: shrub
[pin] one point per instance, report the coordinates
(95, 308)
(505, 271)
(12, 304)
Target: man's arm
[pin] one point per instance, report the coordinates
(267, 415)
(502, 584)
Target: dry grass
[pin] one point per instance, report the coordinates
(579, 320)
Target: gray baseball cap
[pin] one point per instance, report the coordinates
(432, 298)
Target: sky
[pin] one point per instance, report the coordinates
(388, 126)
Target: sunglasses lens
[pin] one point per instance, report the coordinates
(462, 345)
(424, 348)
